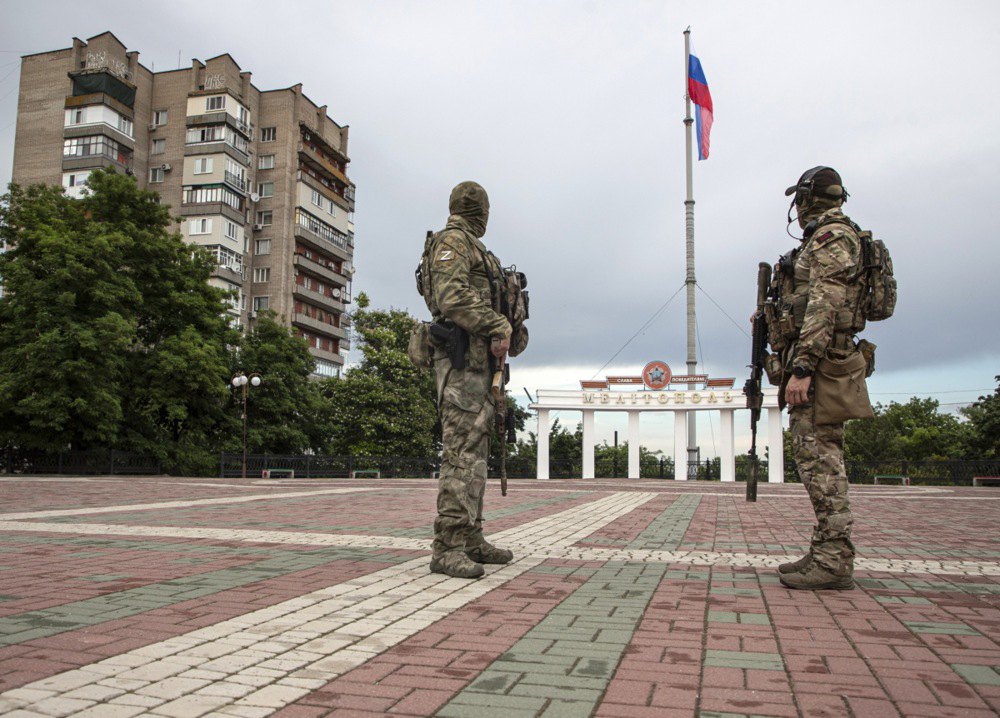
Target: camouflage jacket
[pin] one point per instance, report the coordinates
(459, 286)
(826, 281)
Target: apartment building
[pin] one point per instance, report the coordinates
(259, 177)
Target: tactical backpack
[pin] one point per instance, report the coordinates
(878, 300)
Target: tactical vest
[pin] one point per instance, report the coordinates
(505, 289)
(790, 286)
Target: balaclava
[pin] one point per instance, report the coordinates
(469, 201)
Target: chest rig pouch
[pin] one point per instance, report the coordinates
(780, 314)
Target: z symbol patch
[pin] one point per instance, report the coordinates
(445, 255)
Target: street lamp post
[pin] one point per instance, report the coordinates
(240, 381)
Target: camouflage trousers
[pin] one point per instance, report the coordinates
(467, 411)
(819, 457)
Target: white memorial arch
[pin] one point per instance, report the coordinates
(727, 402)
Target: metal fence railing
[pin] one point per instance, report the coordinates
(83, 462)
(114, 462)
(313, 466)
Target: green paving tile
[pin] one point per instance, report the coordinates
(20, 627)
(723, 616)
(105, 578)
(745, 660)
(978, 675)
(570, 656)
(667, 530)
(568, 709)
(948, 629)
(913, 600)
(729, 591)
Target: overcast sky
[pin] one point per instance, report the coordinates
(569, 113)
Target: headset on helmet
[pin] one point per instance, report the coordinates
(819, 180)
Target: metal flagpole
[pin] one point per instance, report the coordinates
(692, 362)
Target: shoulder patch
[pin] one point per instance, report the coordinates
(445, 254)
(823, 237)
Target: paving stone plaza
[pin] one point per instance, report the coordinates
(186, 597)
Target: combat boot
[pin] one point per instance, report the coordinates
(796, 566)
(457, 565)
(816, 577)
(488, 553)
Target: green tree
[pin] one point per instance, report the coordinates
(110, 335)
(984, 426)
(285, 413)
(385, 406)
(66, 324)
(914, 431)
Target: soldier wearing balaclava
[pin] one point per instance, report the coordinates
(460, 289)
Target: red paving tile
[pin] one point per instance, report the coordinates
(851, 653)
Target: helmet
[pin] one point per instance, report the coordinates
(818, 183)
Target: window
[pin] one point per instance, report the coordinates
(125, 125)
(203, 166)
(262, 274)
(317, 198)
(260, 303)
(155, 174)
(230, 230)
(212, 193)
(263, 246)
(212, 133)
(265, 162)
(159, 147)
(325, 368)
(268, 134)
(75, 180)
(96, 145)
(160, 117)
(265, 189)
(264, 218)
(333, 209)
(242, 115)
(200, 226)
(216, 103)
(75, 117)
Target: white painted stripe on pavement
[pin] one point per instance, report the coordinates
(262, 661)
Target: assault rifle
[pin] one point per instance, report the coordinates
(752, 388)
(506, 432)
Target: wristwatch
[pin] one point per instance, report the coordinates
(800, 372)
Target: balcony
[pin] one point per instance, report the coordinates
(320, 270)
(300, 292)
(333, 357)
(214, 118)
(235, 181)
(99, 154)
(315, 325)
(322, 236)
(320, 163)
(232, 275)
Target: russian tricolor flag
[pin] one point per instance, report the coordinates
(702, 98)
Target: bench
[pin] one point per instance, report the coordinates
(986, 480)
(883, 478)
(278, 473)
(373, 473)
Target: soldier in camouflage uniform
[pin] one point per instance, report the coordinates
(459, 269)
(819, 294)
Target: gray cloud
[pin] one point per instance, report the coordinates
(569, 113)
